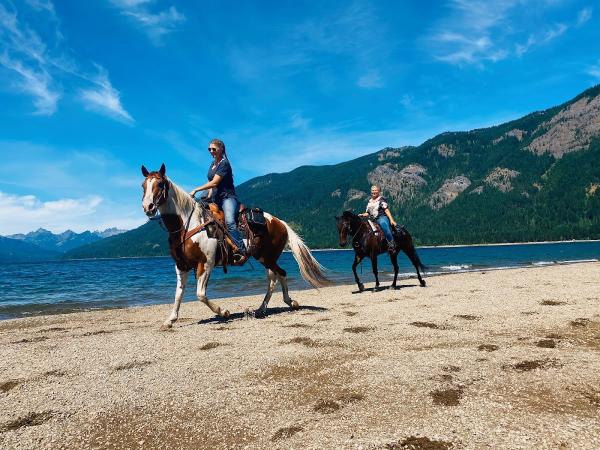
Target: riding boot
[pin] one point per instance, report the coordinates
(391, 246)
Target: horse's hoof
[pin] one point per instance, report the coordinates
(260, 313)
(225, 314)
(361, 287)
(166, 326)
(423, 284)
(295, 305)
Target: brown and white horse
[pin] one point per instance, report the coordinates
(193, 249)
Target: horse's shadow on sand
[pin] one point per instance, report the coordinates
(244, 315)
(385, 288)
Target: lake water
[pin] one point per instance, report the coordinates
(65, 286)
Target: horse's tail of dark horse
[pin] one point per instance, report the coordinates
(411, 252)
(310, 269)
(418, 260)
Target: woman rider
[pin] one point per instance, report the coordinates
(222, 192)
(378, 208)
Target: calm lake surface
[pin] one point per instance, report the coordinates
(65, 286)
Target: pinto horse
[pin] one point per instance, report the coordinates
(366, 243)
(189, 226)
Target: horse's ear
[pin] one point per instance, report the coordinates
(144, 171)
(162, 170)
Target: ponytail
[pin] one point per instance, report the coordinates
(219, 143)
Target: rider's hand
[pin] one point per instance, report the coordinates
(193, 193)
(393, 223)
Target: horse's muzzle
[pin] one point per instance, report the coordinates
(343, 244)
(151, 212)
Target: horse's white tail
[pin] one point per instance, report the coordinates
(310, 269)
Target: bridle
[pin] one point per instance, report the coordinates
(348, 228)
(164, 186)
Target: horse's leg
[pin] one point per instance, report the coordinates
(357, 260)
(272, 279)
(394, 259)
(282, 277)
(374, 266)
(414, 259)
(179, 290)
(203, 275)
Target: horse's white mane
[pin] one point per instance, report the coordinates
(182, 200)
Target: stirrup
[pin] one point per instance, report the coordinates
(238, 259)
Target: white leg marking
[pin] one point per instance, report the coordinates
(182, 278)
(284, 288)
(272, 281)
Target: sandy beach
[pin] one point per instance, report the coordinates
(496, 359)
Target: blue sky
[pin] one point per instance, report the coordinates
(91, 90)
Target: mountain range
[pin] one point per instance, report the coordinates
(43, 244)
(531, 179)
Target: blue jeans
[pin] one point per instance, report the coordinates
(231, 209)
(385, 225)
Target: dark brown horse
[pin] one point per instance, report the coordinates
(194, 244)
(367, 244)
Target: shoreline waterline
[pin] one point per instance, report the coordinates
(75, 285)
(385, 279)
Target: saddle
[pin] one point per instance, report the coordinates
(398, 232)
(378, 232)
(252, 225)
(225, 244)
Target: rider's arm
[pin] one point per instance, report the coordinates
(211, 184)
(389, 215)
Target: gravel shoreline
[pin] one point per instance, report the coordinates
(500, 359)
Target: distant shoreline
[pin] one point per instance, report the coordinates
(349, 248)
(475, 245)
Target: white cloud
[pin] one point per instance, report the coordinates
(104, 98)
(584, 16)
(155, 24)
(370, 80)
(477, 31)
(38, 84)
(299, 122)
(36, 71)
(594, 70)
(70, 182)
(42, 5)
(27, 212)
(24, 55)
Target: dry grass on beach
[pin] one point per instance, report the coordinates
(499, 359)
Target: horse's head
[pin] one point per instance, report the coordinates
(156, 190)
(344, 226)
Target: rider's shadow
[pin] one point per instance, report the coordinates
(244, 315)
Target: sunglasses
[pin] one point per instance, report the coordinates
(212, 149)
